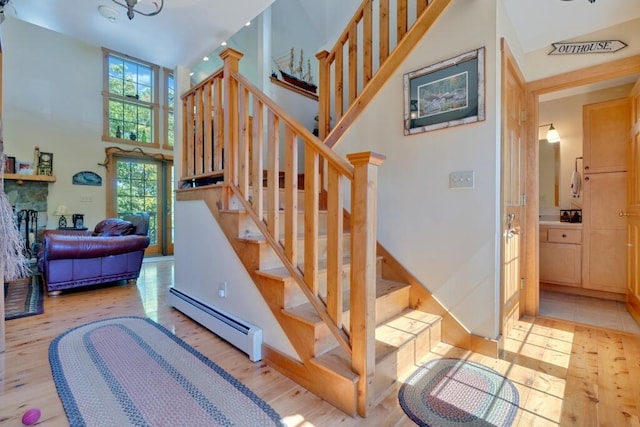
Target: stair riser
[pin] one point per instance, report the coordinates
(391, 303)
(322, 247)
(399, 365)
(386, 307)
(320, 339)
(246, 226)
(258, 254)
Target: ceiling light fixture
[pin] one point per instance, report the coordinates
(552, 134)
(131, 7)
(109, 13)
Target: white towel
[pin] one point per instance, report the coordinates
(576, 184)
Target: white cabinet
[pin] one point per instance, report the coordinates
(561, 255)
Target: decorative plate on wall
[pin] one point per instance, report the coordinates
(87, 178)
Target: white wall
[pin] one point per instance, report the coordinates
(52, 98)
(446, 238)
(539, 64)
(204, 259)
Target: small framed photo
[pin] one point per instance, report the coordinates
(445, 94)
(24, 168)
(9, 164)
(45, 163)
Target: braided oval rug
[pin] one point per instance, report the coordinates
(456, 392)
(131, 371)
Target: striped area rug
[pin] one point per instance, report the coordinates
(23, 297)
(458, 393)
(131, 371)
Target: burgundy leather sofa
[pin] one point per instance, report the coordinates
(113, 251)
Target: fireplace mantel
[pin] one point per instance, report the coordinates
(21, 178)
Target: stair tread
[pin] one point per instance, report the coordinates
(308, 313)
(402, 328)
(257, 237)
(390, 335)
(283, 273)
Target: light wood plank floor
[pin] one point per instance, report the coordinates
(566, 374)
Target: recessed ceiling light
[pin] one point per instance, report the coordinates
(191, 73)
(109, 13)
(248, 23)
(223, 44)
(206, 58)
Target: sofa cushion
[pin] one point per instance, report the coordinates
(114, 227)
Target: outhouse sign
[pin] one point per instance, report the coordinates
(578, 48)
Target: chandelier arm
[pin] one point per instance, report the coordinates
(131, 9)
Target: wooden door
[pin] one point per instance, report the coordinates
(605, 145)
(512, 209)
(633, 208)
(604, 232)
(605, 135)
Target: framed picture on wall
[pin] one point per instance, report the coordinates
(445, 94)
(9, 164)
(24, 167)
(45, 163)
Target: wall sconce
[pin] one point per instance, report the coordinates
(61, 211)
(552, 133)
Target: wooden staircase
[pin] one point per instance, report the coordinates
(403, 335)
(356, 318)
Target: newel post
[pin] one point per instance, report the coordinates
(231, 58)
(323, 95)
(363, 271)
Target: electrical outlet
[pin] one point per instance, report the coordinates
(222, 290)
(461, 179)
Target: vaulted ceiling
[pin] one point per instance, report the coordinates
(186, 30)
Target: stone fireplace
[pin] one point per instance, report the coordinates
(29, 202)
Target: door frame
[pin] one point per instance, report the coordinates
(530, 305)
(163, 217)
(510, 310)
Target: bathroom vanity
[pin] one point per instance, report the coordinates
(561, 253)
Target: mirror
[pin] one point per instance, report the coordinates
(549, 178)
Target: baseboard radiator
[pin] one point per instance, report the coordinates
(241, 334)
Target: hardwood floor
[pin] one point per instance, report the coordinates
(566, 374)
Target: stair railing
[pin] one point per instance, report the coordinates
(348, 77)
(232, 128)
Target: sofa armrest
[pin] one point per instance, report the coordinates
(66, 233)
(68, 246)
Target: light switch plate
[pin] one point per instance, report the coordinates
(462, 179)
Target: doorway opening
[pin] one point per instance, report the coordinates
(143, 183)
(561, 103)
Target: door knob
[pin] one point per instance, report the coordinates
(623, 213)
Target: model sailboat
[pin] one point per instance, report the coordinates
(296, 76)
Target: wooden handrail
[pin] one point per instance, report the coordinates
(261, 142)
(203, 140)
(338, 162)
(332, 64)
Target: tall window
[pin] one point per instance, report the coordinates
(130, 100)
(169, 108)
